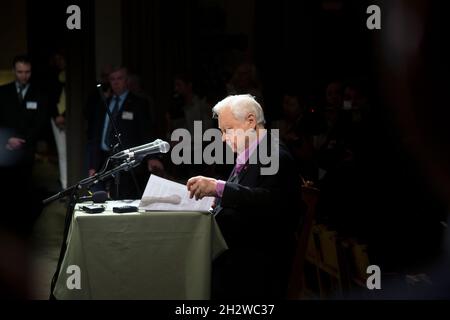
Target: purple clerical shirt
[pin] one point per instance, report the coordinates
(241, 160)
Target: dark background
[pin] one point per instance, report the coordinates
(403, 182)
(294, 44)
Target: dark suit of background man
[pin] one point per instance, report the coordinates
(22, 117)
(133, 120)
(257, 214)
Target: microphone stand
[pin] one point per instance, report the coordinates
(119, 145)
(72, 192)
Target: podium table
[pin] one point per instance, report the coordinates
(141, 255)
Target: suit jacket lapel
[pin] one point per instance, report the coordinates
(257, 166)
(243, 175)
(244, 172)
(127, 102)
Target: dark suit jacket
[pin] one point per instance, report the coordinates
(19, 121)
(136, 131)
(258, 216)
(261, 210)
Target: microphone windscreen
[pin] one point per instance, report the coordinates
(164, 147)
(99, 197)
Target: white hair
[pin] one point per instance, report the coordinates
(241, 105)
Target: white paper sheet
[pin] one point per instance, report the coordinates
(164, 195)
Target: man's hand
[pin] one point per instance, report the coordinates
(14, 143)
(91, 172)
(201, 187)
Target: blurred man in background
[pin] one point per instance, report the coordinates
(132, 117)
(22, 116)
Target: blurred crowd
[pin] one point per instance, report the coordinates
(336, 135)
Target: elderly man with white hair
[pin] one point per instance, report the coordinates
(258, 211)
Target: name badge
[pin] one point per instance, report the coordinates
(126, 115)
(31, 105)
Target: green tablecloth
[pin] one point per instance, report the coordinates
(151, 255)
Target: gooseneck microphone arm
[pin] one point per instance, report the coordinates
(73, 197)
(117, 135)
(119, 145)
(130, 158)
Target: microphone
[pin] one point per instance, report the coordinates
(157, 146)
(96, 197)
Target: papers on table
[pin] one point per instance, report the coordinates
(165, 195)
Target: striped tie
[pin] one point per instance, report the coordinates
(20, 93)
